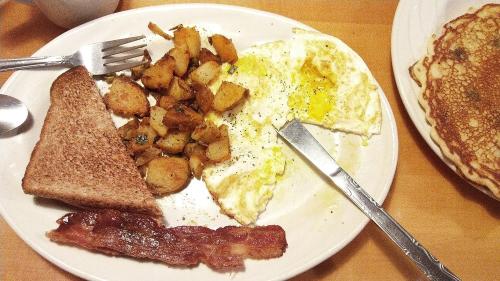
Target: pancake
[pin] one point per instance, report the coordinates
(460, 81)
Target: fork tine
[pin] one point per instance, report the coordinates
(121, 50)
(118, 59)
(120, 67)
(114, 43)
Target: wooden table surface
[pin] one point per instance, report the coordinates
(458, 224)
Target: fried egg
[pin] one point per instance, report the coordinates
(313, 77)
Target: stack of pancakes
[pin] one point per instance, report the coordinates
(460, 81)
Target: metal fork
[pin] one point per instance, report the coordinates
(98, 58)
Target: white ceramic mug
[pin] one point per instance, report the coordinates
(70, 13)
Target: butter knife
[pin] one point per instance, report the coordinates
(295, 134)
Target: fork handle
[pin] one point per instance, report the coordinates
(33, 62)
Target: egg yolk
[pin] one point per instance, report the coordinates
(312, 94)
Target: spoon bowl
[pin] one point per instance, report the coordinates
(13, 113)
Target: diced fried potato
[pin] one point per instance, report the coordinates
(205, 73)
(143, 139)
(167, 174)
(219, 151)
(158, 31)
(181, 57)
(126, 98)
(223, 129)
(180, 90)
(127, 131)
(196, 166)
(137, 71)
(149, 154)
(224, 47)
(174, 142)
(197, 149)
(182, 117)
(228, 96)
(158, 76)
(189, 39)
(207, 55)
(206, 133)
(204, 97)
(156, 114)
(166, 101)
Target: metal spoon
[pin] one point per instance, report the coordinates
(13, 113)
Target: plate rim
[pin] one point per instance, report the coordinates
(312, 262)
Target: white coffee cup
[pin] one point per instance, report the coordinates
(70, 13)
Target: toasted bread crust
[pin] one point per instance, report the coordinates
(80, 158)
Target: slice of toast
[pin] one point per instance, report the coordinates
(80, 158)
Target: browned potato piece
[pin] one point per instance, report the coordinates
(143, 139)
(182, 117)
(204, 97)
(219, 151)
(206, 133)
(205, 73)
(167, 174)
(197, 149)
(196, 166)
(158, 76)
(174, 142)
(228, 96)
(181, 57)
(126, 98)
(207, 55)
(166, 102)
(127, 131)
(149, 154)
(223, 129)
(224, 47)
(188, 38)
(139, 70)
(180, 90)
(156, 114)
(158, 31)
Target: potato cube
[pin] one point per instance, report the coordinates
(158, 76)
(174, 142)
(147, 155)
(219, 151)
(180, 90)
(196, 166)
(197, 149)
(206, 133)
(167, 174)
(137, 71)
(166, 101)
(205, 73)
(224, 47)
(228, 96)
(143, 139)
(157, 113)
(204, 97)
(127, 131)
(126, 98)
(182, 117)
(181, 57)
(207, 55)
(188, 38)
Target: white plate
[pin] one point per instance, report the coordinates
(317, 220)
(414, 23)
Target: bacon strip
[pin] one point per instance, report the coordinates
(135, 235)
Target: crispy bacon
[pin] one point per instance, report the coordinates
(140, 236)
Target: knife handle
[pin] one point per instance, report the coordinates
(299, 137)
(430, 266)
